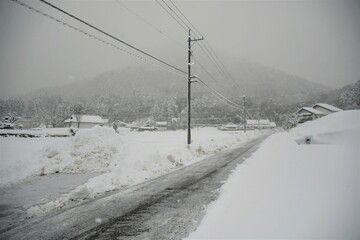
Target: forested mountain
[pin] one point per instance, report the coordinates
(254, 80)
(347, 97)
(143, 91)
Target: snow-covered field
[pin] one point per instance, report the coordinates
(122, 159)
(288, 189)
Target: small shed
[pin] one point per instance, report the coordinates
(85, 121)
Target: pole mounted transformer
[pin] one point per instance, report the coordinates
(190, 77)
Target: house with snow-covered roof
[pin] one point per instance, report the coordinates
(326, 108)
(85, 121)
(309, 113)
(260, 123)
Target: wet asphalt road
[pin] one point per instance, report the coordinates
(167, 207)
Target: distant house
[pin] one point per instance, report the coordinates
(161, 125)
(85, 121)
(309, 113)
(229, 127)
(326, 108)
(260, 123)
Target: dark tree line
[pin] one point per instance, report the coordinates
(54, 110)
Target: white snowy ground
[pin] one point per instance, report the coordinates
(290, 190)
(121, 159)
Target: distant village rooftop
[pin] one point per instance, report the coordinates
(85, 121)
(309, 110)
(326, 106)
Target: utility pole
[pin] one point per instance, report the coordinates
(244, 101)
(189, 85)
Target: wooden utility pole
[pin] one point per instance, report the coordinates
(189, 85)
(244, 101)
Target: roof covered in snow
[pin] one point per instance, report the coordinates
(311, 110)
(258, 122)
(86, 119)
(161, 123)
(328, 107)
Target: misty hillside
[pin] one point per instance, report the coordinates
(347, 97)
(254, 80)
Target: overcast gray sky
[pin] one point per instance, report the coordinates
(317, 40)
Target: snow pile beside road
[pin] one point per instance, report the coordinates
(90, 150)
(286, 190)
(129, 157)
(334, 128)
(150, 154)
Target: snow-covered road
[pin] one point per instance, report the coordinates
(166, 207)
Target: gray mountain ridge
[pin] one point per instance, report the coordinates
(254, 80)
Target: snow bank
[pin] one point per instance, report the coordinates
(286, 190)
(339, 127)
(124, 159)
(37, 132)
(90, 150)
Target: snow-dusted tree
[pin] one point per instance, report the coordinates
(78, 111)
(156, 111)
(172, 109)
(350, 97)
(291, 120)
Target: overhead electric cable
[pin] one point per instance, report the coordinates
(186, 30)
(220, 95)
(220, 98)
(193, 27)
(210, 53)
(94, 37)
(177, 15)
(149, 23)
(109, 35)
(208, 73)
(204, 49)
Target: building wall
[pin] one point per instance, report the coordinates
(88, 125)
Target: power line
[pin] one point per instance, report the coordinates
(223, 98)
(201, 45)
(171, 15)
(149, 23)
(109, 35)
(177, 15)
(92, 36)
(208, 73)
(220, 96)
(212, 53)
(194, 28)
(217, 66)
(213, 91)
(224, 67)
